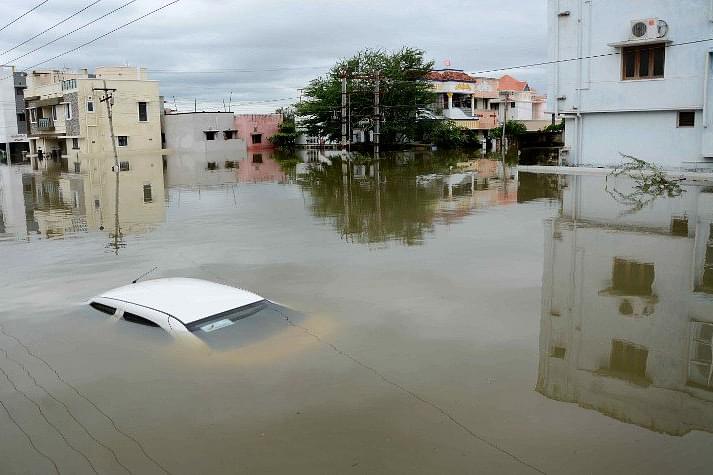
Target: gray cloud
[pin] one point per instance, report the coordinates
(264, 36)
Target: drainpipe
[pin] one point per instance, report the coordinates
(580, 49)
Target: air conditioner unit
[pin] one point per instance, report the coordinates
(648, 29)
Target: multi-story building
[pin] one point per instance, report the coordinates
(68, 120)
(477, 103)
(13, 121)
(633, 78)
(627, 305)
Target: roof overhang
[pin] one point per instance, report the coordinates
(628, 43)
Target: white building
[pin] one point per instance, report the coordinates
(208, 138)
(627, 307)
(518, 101)
(643, 86)
(13, 120)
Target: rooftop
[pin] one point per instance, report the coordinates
(187, 300)
(447, 75)
(509, 83)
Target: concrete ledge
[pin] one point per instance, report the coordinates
(554, 170)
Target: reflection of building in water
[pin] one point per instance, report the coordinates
(12, 203)
(627, 308)
(261, 167)
(58, 204)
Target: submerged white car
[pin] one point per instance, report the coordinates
(187, 307)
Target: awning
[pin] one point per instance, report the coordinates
(652, 41)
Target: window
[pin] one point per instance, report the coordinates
(143, 112)
(147, 194)
(77, 167)
(210, 135)
(628, 359)
(33, 116)
(257, 139)
(257, 158)
(54, 112)
(124, 166)
(123, 140)
(643, 62)
(75, 144)
(68, 111)
(69, 84)
(229, 164)
(686, 119)
(212, 166)
(700, 360)
(21, 117)
(103, 308)
(679, 226)
(558, 352)
(632, 278)
(90, 104)
(230, 134)
(133, 318)
(512, 105)
(19, 91)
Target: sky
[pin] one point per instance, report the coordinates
(263, 51)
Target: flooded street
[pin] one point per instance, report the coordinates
(450, 321)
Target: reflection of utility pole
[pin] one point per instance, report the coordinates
(108, 99)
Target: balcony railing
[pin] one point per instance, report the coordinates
(45, 124)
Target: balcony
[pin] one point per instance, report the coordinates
(45, 124)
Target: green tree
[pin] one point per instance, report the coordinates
(286, 136)
(403, 94)
(447, 134)
(513, 129)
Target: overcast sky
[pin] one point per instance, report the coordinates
(278, 45)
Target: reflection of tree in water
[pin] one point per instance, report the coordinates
(535, 186)
(371, 202)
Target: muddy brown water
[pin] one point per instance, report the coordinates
(450, 322)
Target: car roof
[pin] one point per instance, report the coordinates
(188, 300)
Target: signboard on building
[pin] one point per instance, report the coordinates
(18, 138)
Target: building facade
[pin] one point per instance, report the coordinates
(643, 86)
(206, 137)
(257, 129)
(68, 120)
(13, 120)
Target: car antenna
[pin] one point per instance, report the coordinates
(143, 275)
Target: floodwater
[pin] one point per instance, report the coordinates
(450, 321)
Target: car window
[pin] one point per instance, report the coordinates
(225, 319)
(103, 308)
(133, 318)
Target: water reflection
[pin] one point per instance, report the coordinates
(627, 307)
(54, 203)
(400, 198)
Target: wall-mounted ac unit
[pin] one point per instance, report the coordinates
(648, 29)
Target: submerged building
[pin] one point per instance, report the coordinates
(68, 120)
(13, 120)
(633, 78)
(257, 129)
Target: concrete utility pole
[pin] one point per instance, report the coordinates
(344, 112)
(505, 121)
(377, 114)
(108, 99)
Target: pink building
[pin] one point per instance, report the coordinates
(256, 129)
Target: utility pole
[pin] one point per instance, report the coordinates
(344, 112)
(377, 114)
(505, 121)
(108, 99)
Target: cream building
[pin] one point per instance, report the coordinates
(67, 119)
(627, 306)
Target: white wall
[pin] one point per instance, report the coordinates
(8, 112)
(594, 85)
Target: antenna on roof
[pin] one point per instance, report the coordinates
(143, 275)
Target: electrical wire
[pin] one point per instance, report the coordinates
(24, 14)
(50, 28)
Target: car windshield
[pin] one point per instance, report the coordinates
(240, 326)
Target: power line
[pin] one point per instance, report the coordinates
(105, 34)
(25, 14)
(71, 32)
(50, 28)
